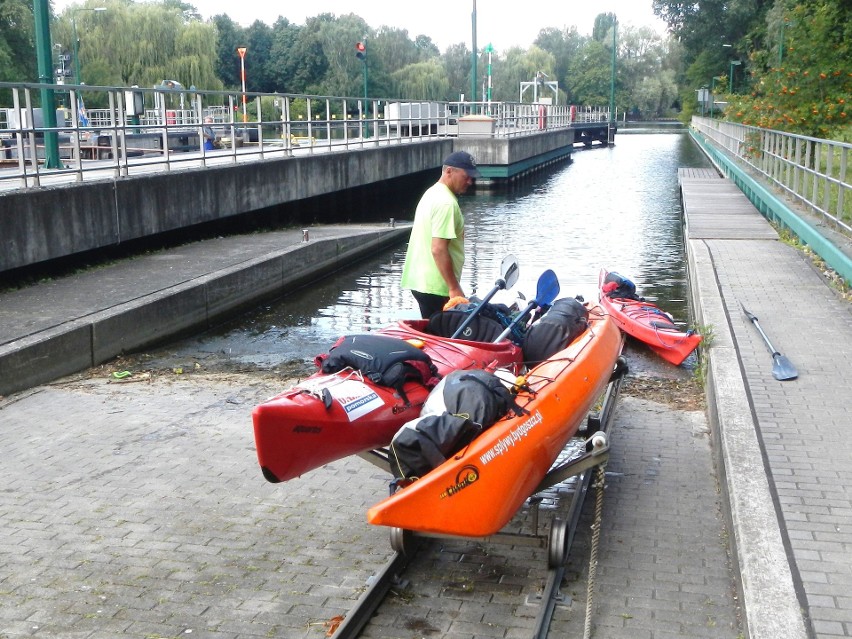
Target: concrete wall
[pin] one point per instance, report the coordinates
(47, 223)
(508, 158)
(193, 305)
(42, 224)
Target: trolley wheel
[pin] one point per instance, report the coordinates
(557, 543)
(401, 541)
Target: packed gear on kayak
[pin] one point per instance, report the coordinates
(387, 361)
(563, 322)
(462, 406)
(618, 286)
(497, 316)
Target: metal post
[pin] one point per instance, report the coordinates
(76, 48)
(713, 93)
(489, 50)
(44, 57)
(612, 86)
(366, 108)
(473, 55)
(734, 63)
(77, 76)
(242, 52)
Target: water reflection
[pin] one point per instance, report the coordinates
(614, 207)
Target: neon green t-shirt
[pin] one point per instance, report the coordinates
(437, 215)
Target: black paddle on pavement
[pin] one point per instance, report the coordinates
(782, 368)
(509, 271)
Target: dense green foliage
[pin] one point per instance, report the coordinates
(145, 43)
(17, 35)
(790, 59)
(795, 71)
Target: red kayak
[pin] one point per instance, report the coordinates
(645, 321)
(329, 416)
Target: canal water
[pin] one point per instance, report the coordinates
(616, 207)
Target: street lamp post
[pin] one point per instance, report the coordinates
(611, 132)
(784, 23)
(242, 52)
(713, 93)
(473, 55)
(734, 63)
(76, 42)
(41, 12)
(489, 50)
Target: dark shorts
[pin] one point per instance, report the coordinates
(429, 303)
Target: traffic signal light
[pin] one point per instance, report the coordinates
(360, 50)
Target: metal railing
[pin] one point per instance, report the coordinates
(812, 171)
(111, 132)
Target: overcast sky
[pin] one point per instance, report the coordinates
(502, 23)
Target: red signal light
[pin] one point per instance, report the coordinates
(360, 50)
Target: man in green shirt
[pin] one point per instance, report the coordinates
(435, 255)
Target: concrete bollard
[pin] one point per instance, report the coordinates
(305, 235)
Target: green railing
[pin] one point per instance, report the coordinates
(811, 171)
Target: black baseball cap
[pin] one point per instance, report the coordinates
(463, 160)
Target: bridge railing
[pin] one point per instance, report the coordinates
(813, 171)
(118, 131)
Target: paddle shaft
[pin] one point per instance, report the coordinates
(498, 285)
(509, 274)
(782, 368)
(760, 330)
(546, 291)
(515, 321)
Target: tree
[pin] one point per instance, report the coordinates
(168, 44)
(421, 81)
(457, 66)
(229, 37)
(564, 46)
(808, 92)
(300, 62)
(647, 78)
(590, 75)
(337, 38)
(258, 43)
(17, 41)
(393, 49)
(603, 25)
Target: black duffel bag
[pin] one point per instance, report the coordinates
(463, 405)
(564, 322)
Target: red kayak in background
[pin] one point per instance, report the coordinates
(644, 320)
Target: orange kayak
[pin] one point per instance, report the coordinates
(476, 492)
(648, 323)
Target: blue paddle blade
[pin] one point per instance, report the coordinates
(547, 289)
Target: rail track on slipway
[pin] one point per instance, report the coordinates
(581, 463)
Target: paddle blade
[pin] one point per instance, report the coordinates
(782, 368)
(509, 271)
(547, 289)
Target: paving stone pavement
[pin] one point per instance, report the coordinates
(663, 567)
(803, 424)
(137, 509)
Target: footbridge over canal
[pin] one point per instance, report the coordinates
(71, 213)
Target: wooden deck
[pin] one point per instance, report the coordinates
(715, 208)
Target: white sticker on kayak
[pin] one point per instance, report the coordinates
(355, 397)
